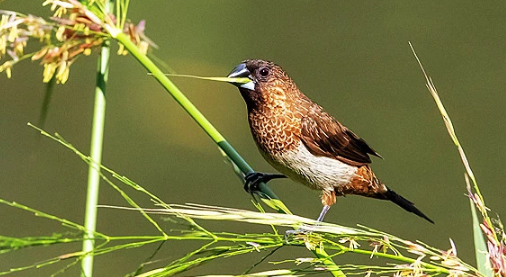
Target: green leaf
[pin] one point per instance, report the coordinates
(480, 247)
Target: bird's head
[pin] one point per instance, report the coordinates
(269, 83)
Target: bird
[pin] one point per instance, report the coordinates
(303, 142)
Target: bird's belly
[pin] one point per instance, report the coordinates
(316, 172)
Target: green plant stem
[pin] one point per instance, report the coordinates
(206, 125)
(192, 110)
(328, 262)
(97, 136)
(400, 259)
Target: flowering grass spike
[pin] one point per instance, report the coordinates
(71, 32)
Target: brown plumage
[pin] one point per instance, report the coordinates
(298, 138)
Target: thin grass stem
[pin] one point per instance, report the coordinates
(477, 199)
(97, 136)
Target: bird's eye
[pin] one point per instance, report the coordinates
(264, 71)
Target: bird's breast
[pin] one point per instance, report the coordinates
(274, 131)
(316, 172)
(277, 135)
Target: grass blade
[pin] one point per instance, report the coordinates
(480, 246)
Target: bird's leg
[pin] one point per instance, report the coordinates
(252, 180)
(324, 211)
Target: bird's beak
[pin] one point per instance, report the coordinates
(241, 71)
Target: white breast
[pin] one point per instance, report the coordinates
(316, 172)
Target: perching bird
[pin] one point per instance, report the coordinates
(299, 139)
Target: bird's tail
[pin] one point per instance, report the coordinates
(405, 204)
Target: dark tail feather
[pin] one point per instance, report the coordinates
(405, 204)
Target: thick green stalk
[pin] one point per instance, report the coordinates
(191, 109)
(97, 136)
(208, 128)
(328, 262)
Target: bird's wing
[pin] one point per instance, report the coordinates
(323, 135)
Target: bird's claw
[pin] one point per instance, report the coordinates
(253, 180)
(297, 234)
(300, 231)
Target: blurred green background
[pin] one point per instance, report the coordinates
(352, 57)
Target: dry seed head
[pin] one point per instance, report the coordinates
(59, 7)
(63, 72)
(487, 230)
(417, 266)
(143, 46)
(435, 258)
(4, 20)
(49, 69)
(77, 30)
(416, 249)
(13, 34)
(121, 50)
(353, 244)
(479, 203)
(39, 54)
(60, 32)
(497, 258)
(379, 245)
(3, 46)
(19, 45)
(7, 68)
(454, 248)
(254, 244)
(300, 261)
